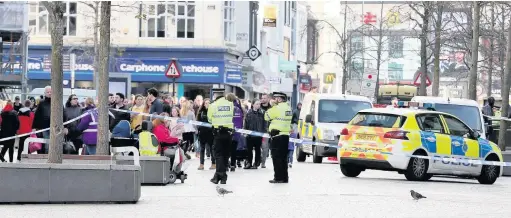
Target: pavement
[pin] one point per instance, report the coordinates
(315, 190)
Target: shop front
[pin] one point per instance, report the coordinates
(198, 75)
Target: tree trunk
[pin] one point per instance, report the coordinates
(56, 15)
(438, 29)
(492, 48)
(505, 93)
(378, 56)
(472, 79)
(423, 52)
(345, 57)
(104, 54)
(96, 47)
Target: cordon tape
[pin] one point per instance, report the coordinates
(298, 142)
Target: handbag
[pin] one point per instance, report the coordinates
(69, 147)
(34, 146)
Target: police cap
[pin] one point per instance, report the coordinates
(279, 95)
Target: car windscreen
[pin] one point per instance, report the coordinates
(339, 111)
(376, 120)
(468, 114)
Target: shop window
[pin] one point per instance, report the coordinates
(229, 22)
(174, 19)
(39, 23)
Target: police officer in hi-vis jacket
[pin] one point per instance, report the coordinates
(279, 116)
(220, 114)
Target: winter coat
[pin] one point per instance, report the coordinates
(42, 115)
(238, 124)
(119, 116)
(137, 119)
(205, 133)
(176, 129)
(190, 116)
(295, 117)
(69, 114)
(156, 107)
(10, 122)
(164, 135)
(89, 126)
(26, 118)
(17, 106)
(254, 121)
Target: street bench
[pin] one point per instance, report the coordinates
(155, 169)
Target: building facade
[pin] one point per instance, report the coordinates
(208, 38)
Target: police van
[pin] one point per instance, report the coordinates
(322, 118)
(465, 109)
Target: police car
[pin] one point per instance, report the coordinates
(321, 118)
(391, 139)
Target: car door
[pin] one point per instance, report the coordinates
(463, 145)
(434, 139)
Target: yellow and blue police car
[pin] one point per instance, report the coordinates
(417, 143)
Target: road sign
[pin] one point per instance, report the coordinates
(328, 78)
(253, 53)
(275, 80)
(173, 70)
(417, 80)
(368, 86)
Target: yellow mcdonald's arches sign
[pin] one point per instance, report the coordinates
(393, 18)
(270, 16)
(328, 78)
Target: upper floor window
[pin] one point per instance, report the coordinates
(395, 46)
(39, 22)
(287, 13)
(229, 22)
(167, 19)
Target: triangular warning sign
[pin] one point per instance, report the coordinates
(417, 80)
(172, 70)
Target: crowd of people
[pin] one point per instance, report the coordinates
(248, 150)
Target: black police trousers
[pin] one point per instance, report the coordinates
(222, 145)
(278, 146)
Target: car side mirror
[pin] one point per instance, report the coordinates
(475, 134)
(308, 119)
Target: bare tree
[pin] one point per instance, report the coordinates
(423, 10)
(472, 80)
(56, 12)
(439, 10)
(104, 54)
(505, 93)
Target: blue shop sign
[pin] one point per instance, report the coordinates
(233, 72)
(153, 70)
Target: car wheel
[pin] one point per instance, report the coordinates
(489, 173)
(300, 155)
(417, 169)
(315, 157)
(350, 171)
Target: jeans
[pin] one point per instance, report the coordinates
(203, 147)
(254, 142)
(21, 145)
(290, 156)
(90, 149)
(265, 150)
(44, 148)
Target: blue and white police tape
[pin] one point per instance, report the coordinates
(242, 131)
(43, 130)
(300, 142)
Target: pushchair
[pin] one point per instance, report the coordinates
(123, 137)
(177, 160)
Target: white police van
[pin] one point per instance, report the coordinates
(465, 109)
(322, 118)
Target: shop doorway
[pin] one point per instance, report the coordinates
(191, 91)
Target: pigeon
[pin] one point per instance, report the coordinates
(222, 191)
(415, 195)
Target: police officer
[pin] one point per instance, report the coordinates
(279, 116)
(220, 114)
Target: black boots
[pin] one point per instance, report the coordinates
(219, 177)
(248, 166)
